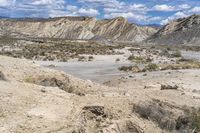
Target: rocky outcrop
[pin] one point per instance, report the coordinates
(180, 31)
(117, 29)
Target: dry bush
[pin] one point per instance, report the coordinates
(157, 113)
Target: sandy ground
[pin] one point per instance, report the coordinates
(33, 108)
(191, 55)
(100, 70)
(36, 99)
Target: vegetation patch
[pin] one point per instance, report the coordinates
(151, 67)
(90, 58)
(130, 68)
(59, 50)
(157, 113)
(176, 54)
(190, 121)
(139, 59)
(179, 65)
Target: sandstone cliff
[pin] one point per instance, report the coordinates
(180, 31)
(117, 29)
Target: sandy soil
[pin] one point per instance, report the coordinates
(36, 99)
(100, 70)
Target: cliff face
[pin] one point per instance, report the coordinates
(180, 31)
(117, 29)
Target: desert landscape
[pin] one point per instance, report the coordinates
(85, 75)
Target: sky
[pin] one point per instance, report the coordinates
(136, 11)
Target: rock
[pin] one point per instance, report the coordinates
(180, 31)
(97, 110)
(43, 90)
(2, 77)
(51, 66)
(145, 74)
(75, 28)
(169, 87)
(131, 76)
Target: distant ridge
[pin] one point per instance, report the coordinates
(86, 28)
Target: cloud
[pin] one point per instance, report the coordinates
(42, 2)
(184, 6)
(6, 3)
(163, 8)
(128, 15)
(88, 12)
(103, 3)
(135, 11)
(181, 14)
(134, 17)
(72, 8)
(195, 10)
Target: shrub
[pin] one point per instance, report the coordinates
(90, 58)
(81, 58)
(156, 113)
(132, 57)
(190, 121)
(125, 68)
(176, 54)
(151, 67)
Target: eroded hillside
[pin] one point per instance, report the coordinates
(181, 31)
(117, 29)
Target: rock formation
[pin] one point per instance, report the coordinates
(75, 28)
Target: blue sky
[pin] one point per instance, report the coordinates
(136, 11)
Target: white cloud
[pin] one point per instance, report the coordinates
(133, 17)
(184, 6)
(103, 3)
(72, 8)
(41, 2)
(128, 15)
(137, 7)
(195, 10)
(163, 8)
(88, 12)
(6, 3)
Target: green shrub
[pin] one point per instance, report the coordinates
(132, 57)
(151, 67)
(90, 58)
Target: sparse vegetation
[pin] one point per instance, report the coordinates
(90, 58)
(176, 54)
(81, 58)
(151, 67)
(190, 121)
(135, 58)
(60, 50)
(160, 114)
(130, 68)
(156, 113)
(139, 59)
